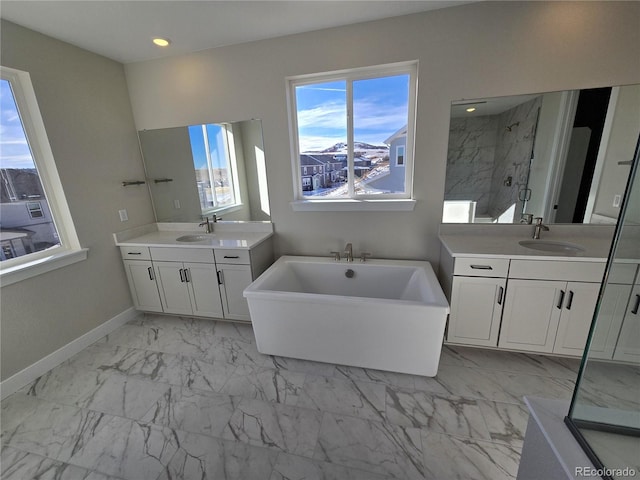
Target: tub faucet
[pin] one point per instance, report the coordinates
(349, 251)
(538, 228)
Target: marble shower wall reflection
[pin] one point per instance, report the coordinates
(489, 156)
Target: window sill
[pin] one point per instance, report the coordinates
(350, 205)
(17, 273)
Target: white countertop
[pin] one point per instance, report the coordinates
(503, 242)
(506, 246)
(226, 235)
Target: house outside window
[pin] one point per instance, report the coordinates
(342, 120)
(35, 235)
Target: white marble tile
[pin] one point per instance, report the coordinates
(274, 425)
(205, 375)
(128, 449)
(184, 409)
(19, 465)
(497, 386)
(345, 396)
(449, 457)
(392, 379)
(102, 391)
(438, 413)
(510, 362)
(507, 422)
(302, 366)
(201, 457)
(292, 467)
(236, 352)
(376, 447)
(47, 428)
(268, 384)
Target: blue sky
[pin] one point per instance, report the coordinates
(14, 149)
(380, 109)
(216, 143)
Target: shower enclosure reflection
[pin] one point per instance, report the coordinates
(553, 155)
(605, 410)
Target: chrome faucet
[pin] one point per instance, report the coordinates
(208, 226)
(538, 228)
(349, 251)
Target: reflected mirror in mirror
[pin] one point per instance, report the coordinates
(563, 156)
(200, 170)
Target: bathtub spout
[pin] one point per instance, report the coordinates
(349, 251)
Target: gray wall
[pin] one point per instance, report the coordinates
(86, 111)
(479, 50)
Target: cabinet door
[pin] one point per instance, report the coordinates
(203, 289)
(531, 314)
(235, 278)
(142, 283)
(628, 347)
(476, 309)
(576, 317)
(173, 287)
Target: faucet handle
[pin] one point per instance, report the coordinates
(364, 256)
(336, 256)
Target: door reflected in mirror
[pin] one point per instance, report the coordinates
(200, 170)
(563, 156)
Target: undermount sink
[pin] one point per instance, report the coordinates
(193, 238)
(552, 246)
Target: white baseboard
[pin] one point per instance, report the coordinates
(29, 374)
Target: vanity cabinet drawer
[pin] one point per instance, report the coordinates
(481, 267)
(173, 254)
(557, 270)
(237, 256)
(135, 253)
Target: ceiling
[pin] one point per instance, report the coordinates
(122, 30)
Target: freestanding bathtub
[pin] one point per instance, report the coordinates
(382, 314)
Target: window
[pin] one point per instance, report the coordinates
(346, 121)
(36, 230)
(214, 159)
(400, 155)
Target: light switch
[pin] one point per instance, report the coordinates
(616, 200)
(123, 215)
(176, 204)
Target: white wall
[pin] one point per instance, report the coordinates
(480, 50)
(85, 107)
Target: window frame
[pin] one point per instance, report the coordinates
(69, 251)
(354, 201)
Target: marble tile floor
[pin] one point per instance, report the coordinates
(180, 398)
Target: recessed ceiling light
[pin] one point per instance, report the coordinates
(471, 109)
(161, 42)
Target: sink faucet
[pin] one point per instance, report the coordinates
(208, 227)
(538, 228)
(349, 251)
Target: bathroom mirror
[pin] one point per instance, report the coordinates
(198, 170)
(563, 156)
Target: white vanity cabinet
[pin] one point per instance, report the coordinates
(477, 296)
(204, 282)
(187, 281)
(141, 278)
(627, 348)
(546, 309)
(234, 275)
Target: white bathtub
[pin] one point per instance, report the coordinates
(390, 315)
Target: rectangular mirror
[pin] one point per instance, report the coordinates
(200, 170)
(563, 156)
